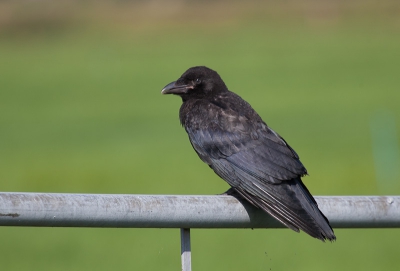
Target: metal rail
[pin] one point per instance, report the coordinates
(168, 211)
(185, 212)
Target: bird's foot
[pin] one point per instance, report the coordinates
(229, 192)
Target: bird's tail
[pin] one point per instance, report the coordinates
(293, 205)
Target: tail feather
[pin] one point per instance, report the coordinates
(293, 206)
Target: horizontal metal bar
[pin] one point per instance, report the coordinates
(169, 211)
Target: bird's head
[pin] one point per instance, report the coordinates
(196, 82)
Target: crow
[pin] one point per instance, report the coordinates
(259, 165)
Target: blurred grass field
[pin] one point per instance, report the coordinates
(81, 112)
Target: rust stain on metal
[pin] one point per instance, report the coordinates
(10, 214)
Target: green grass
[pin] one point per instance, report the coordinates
(81, 111)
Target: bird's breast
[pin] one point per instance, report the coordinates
(197, 114)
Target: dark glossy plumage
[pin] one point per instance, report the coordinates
(258, 164)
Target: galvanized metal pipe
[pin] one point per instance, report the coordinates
(169, 211)
(186, 252)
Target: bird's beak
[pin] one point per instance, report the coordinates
(173, 88)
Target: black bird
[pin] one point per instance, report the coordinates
(229, 136)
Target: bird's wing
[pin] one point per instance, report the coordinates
(247, 144)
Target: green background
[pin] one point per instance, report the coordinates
(81, 112)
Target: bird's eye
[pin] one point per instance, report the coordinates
(198, 81)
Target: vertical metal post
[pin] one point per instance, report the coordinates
(186, 256)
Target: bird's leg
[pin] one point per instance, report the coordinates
(234, 193)
(229, 192)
